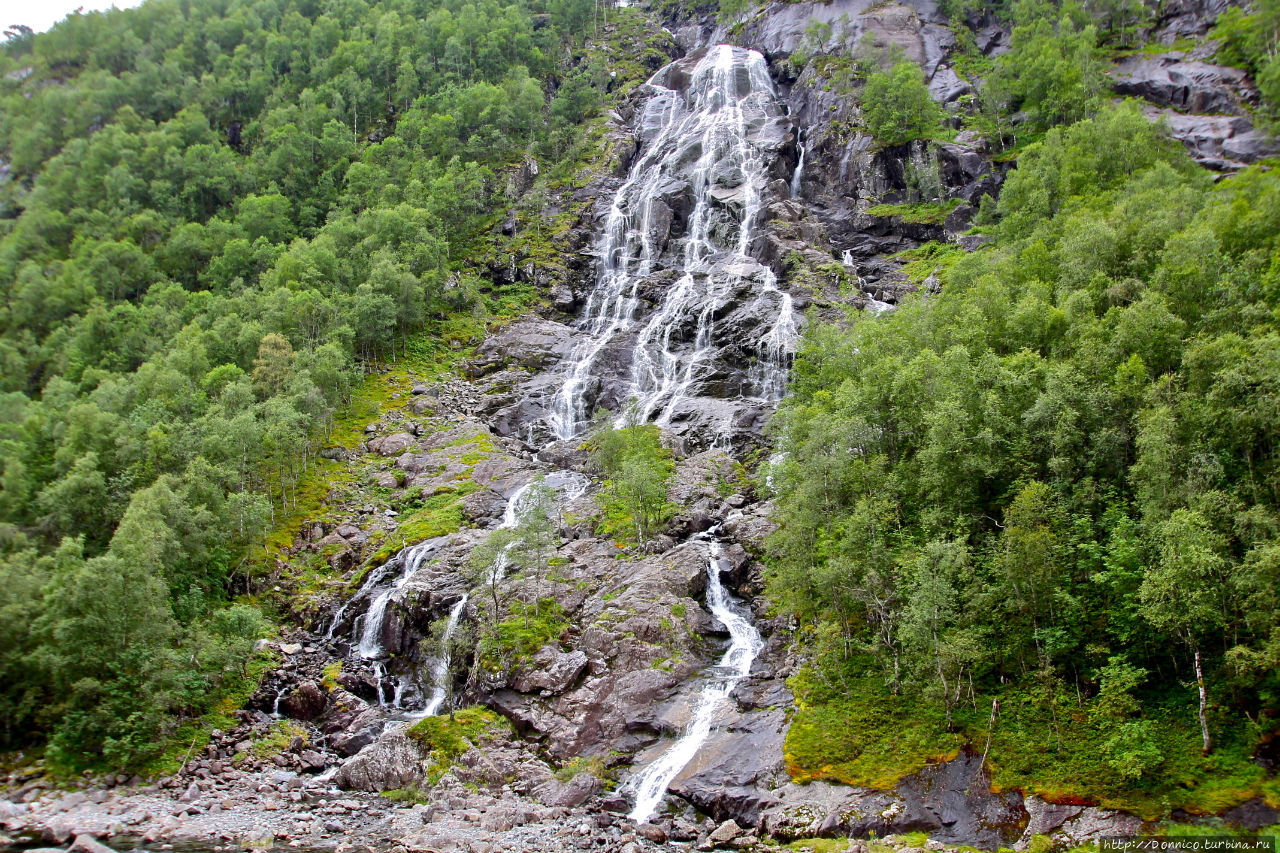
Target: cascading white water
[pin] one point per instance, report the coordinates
(875, 306)
(650, 784)
(440, 668)
(370, 645)
(729, 94)
(799, 173)
(375, 577)
(568, 486)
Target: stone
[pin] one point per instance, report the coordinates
(649, 832)
(551, 670)
(726, 832)
(306, 702)
(391, 445)
(1172, 80)
(290, 648)
(1217, 142)
(581, 788)
(86, 843)
(393, 761)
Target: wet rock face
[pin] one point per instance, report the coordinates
(950, 801)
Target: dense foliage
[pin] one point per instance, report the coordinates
(1252, 41)
(216, 212)
(1055, 483)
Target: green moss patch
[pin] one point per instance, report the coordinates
(444, 739)
(918, 213)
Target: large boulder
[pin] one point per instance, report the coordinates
(951, 801)
(393, 761)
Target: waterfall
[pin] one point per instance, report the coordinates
(370, 644)
(877, 307)
(703, 139)
(440, 669)
(798, 176)
(375, 577)
(650, 784)
(847, 258)
(568, 486)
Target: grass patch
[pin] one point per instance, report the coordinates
(917, 213)
(411, 794)
(527, 629)
(437, 515)
(595, 765)
(1072, 761)
(818, 845)
(870, 739)
(860, 734)
(277, 739)
(445, 739)
(329, 677)
(928, 259)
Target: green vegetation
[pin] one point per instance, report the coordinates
(278, 739)
(595, 765)
(1054, 71)
(329, 678)
(637, 467)
(897, 106)
(216, 215)
(929, 259)
(516, 638)
(444, 739)
(919, 213)
(1252, 41)
(1038, 512)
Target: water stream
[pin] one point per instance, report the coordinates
(799, 174)
(650, 784)
(440, 668)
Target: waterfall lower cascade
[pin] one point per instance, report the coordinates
(440, 668)
(650, 784)
(368, 641)
(704, 134)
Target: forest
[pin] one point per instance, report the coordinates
(1042, 504)
(216, 214)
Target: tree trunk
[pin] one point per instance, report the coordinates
(1204, 722)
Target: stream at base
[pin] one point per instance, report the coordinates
(650, 784)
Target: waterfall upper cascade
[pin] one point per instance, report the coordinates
(650, 784)
(691, 206)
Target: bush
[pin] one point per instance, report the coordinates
(638, 467)
(897, 106)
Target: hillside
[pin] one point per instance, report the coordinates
(464, 424)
